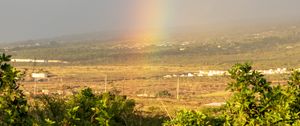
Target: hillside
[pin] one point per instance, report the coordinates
(266, 47)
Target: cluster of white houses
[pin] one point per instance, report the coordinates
(37, 61)
(210, 73)
(276, 71)
(201, 73)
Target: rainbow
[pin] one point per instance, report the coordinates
(150, 26)
(151, 18)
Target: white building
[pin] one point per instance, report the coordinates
(190, 75)
(39, 76)
(167, 76)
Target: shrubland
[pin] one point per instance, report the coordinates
(217, 49)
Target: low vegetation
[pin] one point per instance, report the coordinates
(254, 101)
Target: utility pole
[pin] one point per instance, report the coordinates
(34, 88)
(177, 89)
(123, 85)
(105, 82)
(61, 83)
(34, 65)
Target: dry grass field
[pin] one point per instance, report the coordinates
(145, 84)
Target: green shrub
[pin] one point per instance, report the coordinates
(164, 93)
(49, 110)
(84, 108)
(188, 118)
(13, 104)
(294, 91)
(215, 115)
(255, 101)
(113, 109)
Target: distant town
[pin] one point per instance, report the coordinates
(210, 73)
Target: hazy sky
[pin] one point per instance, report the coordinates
(32, 19)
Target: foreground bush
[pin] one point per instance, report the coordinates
(255, 101)
(294, 90)
(84, 109)
(105, 109)
(49, 110)
(13, 104)
(188, 118)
